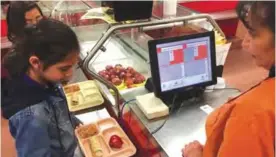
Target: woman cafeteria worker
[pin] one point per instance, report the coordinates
(245, 126)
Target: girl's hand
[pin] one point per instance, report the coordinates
(193, 149)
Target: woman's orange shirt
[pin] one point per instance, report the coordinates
(245, 126)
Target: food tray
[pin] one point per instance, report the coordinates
(86, 93)
(104, 129)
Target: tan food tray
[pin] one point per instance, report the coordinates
(101, 132)
(83, 95)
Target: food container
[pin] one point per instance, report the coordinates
(83, 95)
(100, 137)
(125, 76)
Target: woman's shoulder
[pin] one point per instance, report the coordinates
(257, 102)
(267, 85)
(260, 98)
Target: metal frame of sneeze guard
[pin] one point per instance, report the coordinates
(114, 28)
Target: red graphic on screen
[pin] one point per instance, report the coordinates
(159, 50)
(202, 52)
(184, 46)
(178, 57)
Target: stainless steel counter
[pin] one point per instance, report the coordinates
(185, 124)
(129, 48)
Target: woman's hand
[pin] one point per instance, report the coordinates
(193, 149)
(79, 126)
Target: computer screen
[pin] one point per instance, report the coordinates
(184, 63)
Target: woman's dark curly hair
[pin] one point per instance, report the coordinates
(262, 13)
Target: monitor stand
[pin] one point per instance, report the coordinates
(177, 98)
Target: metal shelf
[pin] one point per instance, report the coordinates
(163, 23)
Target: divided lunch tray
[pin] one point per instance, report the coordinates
(83, 95)
(101, 131)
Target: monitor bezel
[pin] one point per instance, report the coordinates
(129, 10)
(152, 44)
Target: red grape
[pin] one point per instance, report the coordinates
(116, 81)
(122, 75)
(106, 77)
(129, 81)
(109, 67)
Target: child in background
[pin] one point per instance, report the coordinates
(19, 14)
(33, 100)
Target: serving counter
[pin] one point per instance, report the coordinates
(104, 44)
(129, 48)
(185, 124)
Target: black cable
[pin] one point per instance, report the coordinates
(122, 110)
(173, 105)
(160, 127)
(195, 96)
(171, 110)
(130, 114)
(121, 117)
